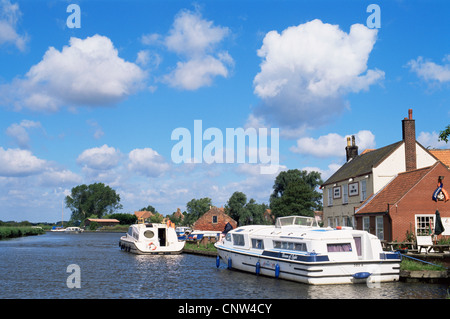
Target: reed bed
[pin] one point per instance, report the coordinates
(13, 232)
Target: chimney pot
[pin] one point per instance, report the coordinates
(410, 114)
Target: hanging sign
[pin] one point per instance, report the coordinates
(440, 193)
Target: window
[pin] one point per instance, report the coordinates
(289, 245)
(363, 190)
(345, 194)
(366, 223)
(228, 237)
(238, 240)
(338, 248)
(424, 225)
(257, 243)
(330, 197)
(214, 219)
(379, 227)
(149, 234)
(330, 222)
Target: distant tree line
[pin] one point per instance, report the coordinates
(295, 192)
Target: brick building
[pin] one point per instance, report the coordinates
(215, 219)
(406, 204)
(365, 174)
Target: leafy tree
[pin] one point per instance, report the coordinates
(443, 136)
(245, 213)
(123, 218)
(95, 199)
(196, 208)
(294, 193)
(235, 207)
(149, 208)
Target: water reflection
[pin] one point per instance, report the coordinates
(35, 267)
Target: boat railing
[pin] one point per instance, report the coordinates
(296, 221)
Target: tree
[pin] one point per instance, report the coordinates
(196, 208)
(294, 193)
(443, 136)
(244, 212)
(235, 207)
(95, 199)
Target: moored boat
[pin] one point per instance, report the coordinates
(151, 239)
(295, 248)
(73, 230)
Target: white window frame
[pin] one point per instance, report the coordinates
(330, 196)
(363, 189)
(345, 194)
(366, 224)
(422, 222)
(379, 229)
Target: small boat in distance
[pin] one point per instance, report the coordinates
(57, 229)
(73, 230)
(151, 239)
(296, 249)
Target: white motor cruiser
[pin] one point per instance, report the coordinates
(296, 249)
(151, 239)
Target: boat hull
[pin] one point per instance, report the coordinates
(309, 271)
(139, 249)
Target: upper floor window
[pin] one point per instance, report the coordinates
(363, 190)
(330, 197)
(345, 194)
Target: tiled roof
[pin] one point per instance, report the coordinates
(442, 155)
(393, 191)
(363, 163)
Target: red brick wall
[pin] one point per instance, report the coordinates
(206, 221)
(419, 201)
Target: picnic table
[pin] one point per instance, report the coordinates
(439, 248)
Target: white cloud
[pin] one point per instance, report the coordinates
(99, 158)
(88, 72)
(9, 16)
(19, 132)
(332, 144)
(430, 71)
(55, 177)
(324, 173)
(196, 40)
(308, 69)
(147, 161)
(17, 163)
(196, 73)
(431, 140)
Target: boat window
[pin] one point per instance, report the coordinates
(257, 243)
(130, 231)
(228, 237)
(289, 245)
(238, 240)
(149, 234)
(341, 247)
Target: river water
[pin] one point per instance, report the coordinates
(39, 267)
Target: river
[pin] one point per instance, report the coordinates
(39, 267)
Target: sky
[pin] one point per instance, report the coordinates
(141, 95)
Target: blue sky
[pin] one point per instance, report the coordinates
(99, 103)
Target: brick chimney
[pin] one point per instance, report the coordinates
(409, 137)
(351, 149)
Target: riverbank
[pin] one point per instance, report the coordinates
(7, 232)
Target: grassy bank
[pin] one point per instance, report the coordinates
(13, 232)
(411, 265)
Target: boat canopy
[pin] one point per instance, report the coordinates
(296, 221)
